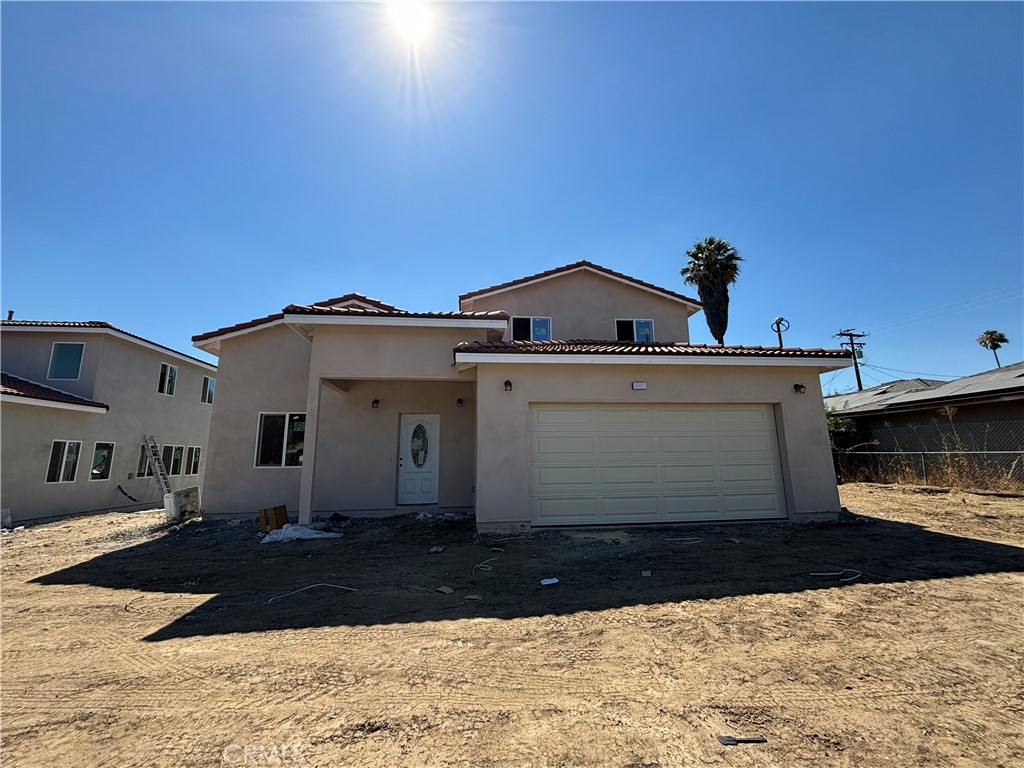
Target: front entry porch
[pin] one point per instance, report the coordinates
(374, 446)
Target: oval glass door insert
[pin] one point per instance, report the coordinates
(419, 446)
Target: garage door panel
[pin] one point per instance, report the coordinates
(757, 416)
(628, 475)
(624, 418)
(594, 463)
(552, 479)
(692, 417)
(678, 444)
(560, 446)
(694, 473)
(640, 446)
(561, 416)
(736, 473)
(744, 444)
(618, 508)
(566, 511)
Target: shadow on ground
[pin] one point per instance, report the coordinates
(387, 562)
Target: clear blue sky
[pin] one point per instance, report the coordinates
(172, 168)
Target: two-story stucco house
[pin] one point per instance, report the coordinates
(77, 400)
(354, 405)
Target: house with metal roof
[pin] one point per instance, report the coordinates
(568, 397)
(982, 412)
(78, 400)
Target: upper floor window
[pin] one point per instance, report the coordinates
(66, 360)
(531, 329)
(168, 376)
(208, 385)
(634, 330)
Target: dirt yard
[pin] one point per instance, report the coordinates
(128, 643)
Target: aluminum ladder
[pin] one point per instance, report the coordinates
(157, 463)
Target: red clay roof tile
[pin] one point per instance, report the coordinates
(18, 387)
(597, 347)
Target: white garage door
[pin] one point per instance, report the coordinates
(653, 463)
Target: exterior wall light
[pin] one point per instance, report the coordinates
(799, 389)
(458, 403)
(375, 403)
(508, 385)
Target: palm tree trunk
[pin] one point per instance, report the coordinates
(998, 364)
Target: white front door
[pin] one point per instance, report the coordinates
(418, 449)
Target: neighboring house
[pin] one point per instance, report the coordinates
(77, 400)
(356, 406)
(983, 412)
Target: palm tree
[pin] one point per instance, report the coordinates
(713, 266)
(993, 340)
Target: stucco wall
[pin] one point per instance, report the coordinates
(124, 376)
(503, 451)
(26, 353)
(265, 371)
(585, 305)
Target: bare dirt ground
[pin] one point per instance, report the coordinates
(129, 643)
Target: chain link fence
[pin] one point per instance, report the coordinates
(990, 470)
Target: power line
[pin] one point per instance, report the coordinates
(915, 373)
(964, 305)
(855, 348)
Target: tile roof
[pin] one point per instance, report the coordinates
(357, 297)
(597, 347)
(18, 387)
(304, 309)
(571, 268)
(94, 324)
(266, 319)
(1000, 383)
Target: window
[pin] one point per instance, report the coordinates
(145, 469)
(171, 458)
(102, 458)
(634, 330)
(192, 460)
(279, 439)
(208, 385)
(66, 360)
(168, 375)
(531, 329)
(63, 461)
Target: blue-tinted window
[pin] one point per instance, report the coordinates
(66, 360)
(644, 330)
(541, 330)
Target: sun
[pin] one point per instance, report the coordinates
(413, 19)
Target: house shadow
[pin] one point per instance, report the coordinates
(253, 586)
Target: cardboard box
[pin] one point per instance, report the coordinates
(273, 518)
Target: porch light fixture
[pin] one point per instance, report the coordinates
(375, 403)
(508, 385)
(799, 389)
(458, 403)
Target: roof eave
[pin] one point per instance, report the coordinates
(823, 365)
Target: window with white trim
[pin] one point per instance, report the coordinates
(279, 439)
(531, 328)
(63, 464)
(172, 457)
(192, 460)
(66, 360)
(102, 459)
(168, 377)
(634, 330)
(208, 385)
(145, 469)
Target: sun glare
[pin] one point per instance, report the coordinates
(413, 19)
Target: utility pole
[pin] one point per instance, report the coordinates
(855, 347)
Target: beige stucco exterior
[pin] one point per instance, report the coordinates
(114, 371)
(331, 366)
(503, 453)
(585, 305)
